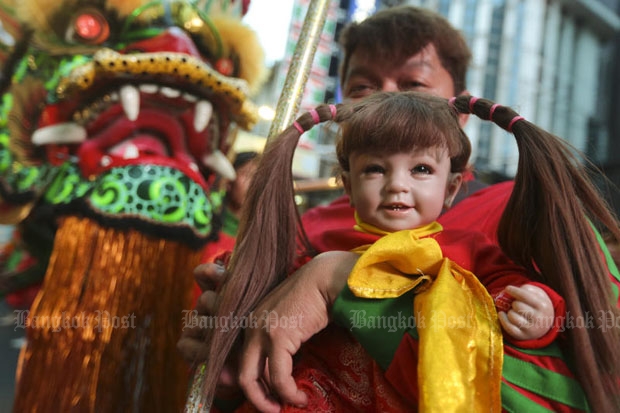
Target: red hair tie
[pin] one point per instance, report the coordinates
(495, 106)
(332, 109)
(297, 126)
(513, 121)
(451, 104)
(472, 101)
(315, 116)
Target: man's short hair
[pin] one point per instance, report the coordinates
(243, 157)
(397, 33)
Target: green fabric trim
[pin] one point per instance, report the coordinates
(380, 334)
(613, 269)
(230, 223)
(552, 350)
(413, 332)
(515, 402)
(546, 383)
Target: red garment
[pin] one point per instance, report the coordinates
(340, 377)
(213, 250)
(329, 227)
(480, 211)
(405, 383)
(475, 252)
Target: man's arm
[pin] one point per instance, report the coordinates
(265, 363)
(306, 296)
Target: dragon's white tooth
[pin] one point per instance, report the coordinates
(202, 115)
(193, 167)
(68, 132)
(189, 97)
(130, 151)
(170, 92)
(130, 99)
(219, 163)
(105, 160)
(149, 88)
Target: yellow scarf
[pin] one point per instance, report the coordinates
(460, 346)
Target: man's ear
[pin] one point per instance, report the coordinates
(463, 118)
(454, 184)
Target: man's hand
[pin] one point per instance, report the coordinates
(292, 313)
(192, 344)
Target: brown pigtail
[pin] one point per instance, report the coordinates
(547, 227)
(265, 249)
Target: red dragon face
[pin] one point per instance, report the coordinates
(119, 89)
(156, 101)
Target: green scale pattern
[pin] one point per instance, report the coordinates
(154, 193)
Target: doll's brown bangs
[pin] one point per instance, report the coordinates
(402, 122)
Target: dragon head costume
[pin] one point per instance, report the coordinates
(116, 118)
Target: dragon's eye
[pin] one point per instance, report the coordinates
(89, 26)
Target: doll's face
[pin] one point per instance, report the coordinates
(402, 190)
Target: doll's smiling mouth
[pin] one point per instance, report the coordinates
(397, 207)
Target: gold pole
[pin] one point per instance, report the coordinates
(288, 105)
(301, 63)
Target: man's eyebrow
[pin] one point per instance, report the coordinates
(423, 59)
(423, 63)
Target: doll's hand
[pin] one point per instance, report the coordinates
(531, 314)
(296, 310)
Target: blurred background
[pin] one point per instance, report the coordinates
(556, 61)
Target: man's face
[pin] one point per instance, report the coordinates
(421, 72)
(239, 187)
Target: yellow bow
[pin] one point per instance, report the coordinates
(460, 347)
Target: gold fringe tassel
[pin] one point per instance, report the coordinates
(102, 332)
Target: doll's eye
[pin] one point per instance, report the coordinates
(422, 170)
(88, 26)
(373, 169)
